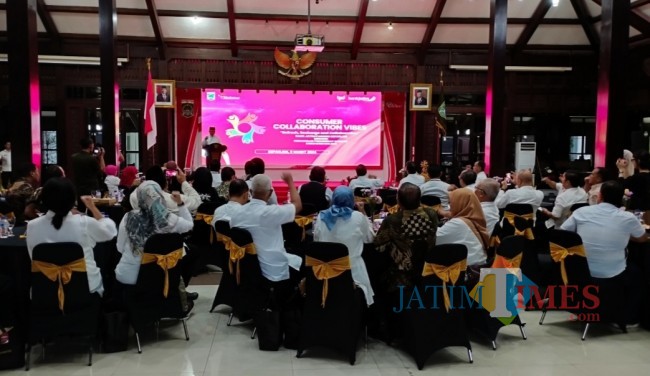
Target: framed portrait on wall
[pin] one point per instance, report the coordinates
(421, 97)
(165, 93)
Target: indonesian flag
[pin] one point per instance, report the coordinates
(150, 128)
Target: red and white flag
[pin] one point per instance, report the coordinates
(150, 128)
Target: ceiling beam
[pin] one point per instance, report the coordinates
(639, 3)
(48, 22)
(637, 21)
(358, 28)
(535, 20)
(231, 27)
(582, 12)
(431, 29)
(157, 31)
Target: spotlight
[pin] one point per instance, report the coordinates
(390, 25)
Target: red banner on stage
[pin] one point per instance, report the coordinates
(188, 126)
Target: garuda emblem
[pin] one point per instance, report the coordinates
(295, 65)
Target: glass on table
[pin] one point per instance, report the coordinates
(12, 222)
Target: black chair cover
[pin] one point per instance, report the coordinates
(430, 200)
(388, 196)
(227, 290)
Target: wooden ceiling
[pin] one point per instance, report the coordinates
(352, 26)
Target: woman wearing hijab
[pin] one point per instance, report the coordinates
(112, 181)
(341, 224)
(128, 178)
(202, 183)
(467, 226)
(60, 225)
(152, 217)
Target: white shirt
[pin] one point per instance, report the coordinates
(563, 203)
(438, 188)
(365, 182)
(593, 194)
(416, 179)
(480, 176)
(456, 231)
(273, 200)
(112, 183)
(5, 158)
(79, 229)
(522, 195)
(264, 222)
(605, 231)
(190, 198)
(128, 268)
(491, 214)
(209, 140)
(225, 212)
(353, 233)
(216, 179)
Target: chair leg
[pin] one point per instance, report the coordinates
(541, 320)
(584, 333)
(28, 357)
(366, 334)
(230, 318)
(469, 355)
(43, 349)
(523, 332)
(157, 325)
(299, 353)
(187, 336)
(137, 339)
(254, 333)
(494, 345)
(90, 352)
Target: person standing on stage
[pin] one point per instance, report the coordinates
(213, 139)
(5, 161)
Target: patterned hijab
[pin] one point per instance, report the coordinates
(151, 217)
(342, 206)
(466, 206)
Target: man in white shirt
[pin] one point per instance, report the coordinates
(264, 222)
(593, 183)
(5, 164)
(364, 180)
(238, 194)
(467, 179)
(216, 175)
(605, 231)
(190, 196)
(524, 194)
(572, 194)
(257, 167)
(479, 167)
(214, 139)
(487, 190)
(436, 187)
(413, 177)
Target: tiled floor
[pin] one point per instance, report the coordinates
(216, 349)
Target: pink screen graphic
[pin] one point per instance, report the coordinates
(301, 129)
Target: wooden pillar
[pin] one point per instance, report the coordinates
(497, 139)
(611, 95)
(24, 101)
(110, 101)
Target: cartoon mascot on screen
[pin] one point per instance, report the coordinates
(246, 137)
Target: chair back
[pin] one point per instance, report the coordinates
(5, 207)
(510, 252)
(358, 191)
(445, 255)
(388, 196)
(430, 200)
(518, 219)
(308, 209)
(576, 266)
(252, 293)
(227, 290)
(519, 209)
(575, 207)
(210, 206)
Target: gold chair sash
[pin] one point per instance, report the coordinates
(559, 253)
(10, 215)
(495, 241)
(527, 232)
(391, 209)
(207, 218)
(432, 207)
(508, 263)
(323, 271)
(166, 262)
(236, 253)
(303, 222)
(446, 274)
(62, 273)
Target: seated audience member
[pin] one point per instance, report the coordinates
(467, 226)
(341, 224)
(467, 179)
(626, 165)
(150, 217)
(572, 194)
(112, 180)
(316, 192)
(413, 177)
(552, 184)
(436, 187)
(398, 233)
(264, 222)
(486, 191)
(363, 180)
(189, 196)
(479, 169)
(35, 205)
(59, 225)
(128, 179)
(21, 192)
(257, 167)
(203, 185)
(238, 194)
(171, 170)
(605, 231)
(227, 176)
(598, 176)
(524, 194)
(639, 183)
(215, 166)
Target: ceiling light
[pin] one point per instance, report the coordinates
(70, 60)
(513, 68)
(556, 3)
(196, 20)
(390, 25)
